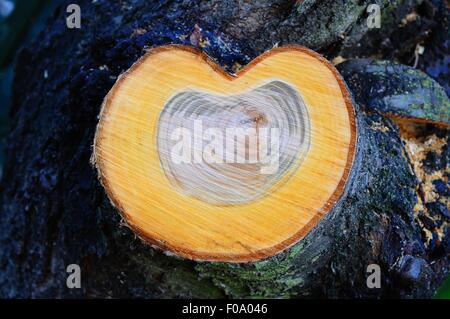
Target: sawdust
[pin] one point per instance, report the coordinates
(418, 144)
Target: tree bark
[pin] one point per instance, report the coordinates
(55, 212)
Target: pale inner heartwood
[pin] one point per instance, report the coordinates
(199, 201)
(228, 150)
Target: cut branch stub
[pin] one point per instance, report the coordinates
(213, 166)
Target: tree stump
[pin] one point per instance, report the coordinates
(55, 212)
(226, 168)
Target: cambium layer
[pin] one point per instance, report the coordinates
(184, 183)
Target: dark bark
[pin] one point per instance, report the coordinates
(396, 90)
(55, 212)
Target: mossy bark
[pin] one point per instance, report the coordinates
(397, 90)
(55, 212)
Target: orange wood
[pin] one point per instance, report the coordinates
(126, 155)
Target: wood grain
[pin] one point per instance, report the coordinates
(129, 164)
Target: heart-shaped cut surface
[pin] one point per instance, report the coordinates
(270, 107)
(213, 166)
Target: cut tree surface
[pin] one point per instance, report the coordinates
(50, 194)
(213, 166)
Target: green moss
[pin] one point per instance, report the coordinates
(399, 90)
(176, 277)
(273, 277)
(444, 291)
(388, 13)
